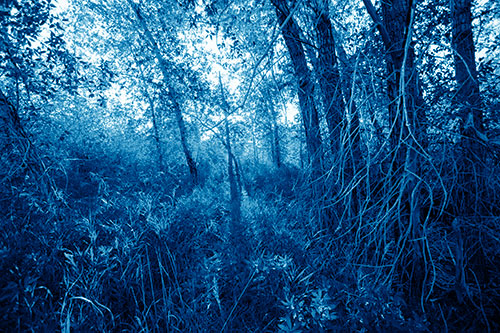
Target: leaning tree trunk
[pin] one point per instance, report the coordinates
(276, 146)
(18, 155)
(156, 130)
(336, 91)
(171, 91)
(232, 173)
(193, 170)
(10, 124)
(234, 188)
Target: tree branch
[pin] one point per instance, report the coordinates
(378, 23)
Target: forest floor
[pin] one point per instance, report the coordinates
(122, 250)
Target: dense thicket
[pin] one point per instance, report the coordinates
(282, 165)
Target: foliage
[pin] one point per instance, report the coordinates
(130, 131)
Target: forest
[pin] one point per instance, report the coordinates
(249, 166)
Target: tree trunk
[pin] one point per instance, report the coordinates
(403, 160)
(347, 79)
(193, 170)
(10, 123)
(233, 181)
(468, 194)
(291, 35)
(14, 140)
(232, 171)
(402, 91)
(17, 150)
(276, 144)
(171, 91)
(468, 101)
(329, 77)
(156, 132)
(336, 90)
(274, 133)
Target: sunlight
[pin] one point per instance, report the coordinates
(60, 6)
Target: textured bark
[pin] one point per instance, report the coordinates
(10, 123)
(402, 88)
(355, 161)
(404, 95)
(468, 96)
(468, 194)
(394, 13)
(347, 78)
(468, 101)
(14, 141)
(18, 151)
(232, 172)
(329, 77)
(291, 35)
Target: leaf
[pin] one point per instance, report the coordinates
(288, 326)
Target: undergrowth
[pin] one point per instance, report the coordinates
(140, 254)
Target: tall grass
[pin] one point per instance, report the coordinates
(145, 253)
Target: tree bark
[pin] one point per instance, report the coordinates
(354, 152)
(468, 102)
(329, 77)
(291, 35)
(193, 170)
(402, 89)
(404, 96)
(468, 194)
(10, 123)
(276, 143)
(17, 149)
(403, 160)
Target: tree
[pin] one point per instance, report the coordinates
(29, 78)
(329, 74)
(402, 183)
(310, 119)
(469, 193)
(172, 93)
(268, 115)
(467, 99)
(292, 36)
(13, 42)
(402, 90)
